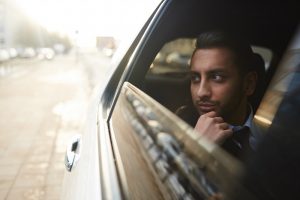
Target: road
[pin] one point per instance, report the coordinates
(42, 103)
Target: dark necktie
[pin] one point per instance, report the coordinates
(238, 144)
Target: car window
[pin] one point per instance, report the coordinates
(175, 56)
(170, 68)
(165, 152)
(265, 53)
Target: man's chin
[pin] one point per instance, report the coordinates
(204, 111)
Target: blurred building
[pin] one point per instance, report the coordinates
(2, 25)
(106, 44)
(19, 31)
(11, 20)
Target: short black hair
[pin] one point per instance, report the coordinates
(240, 48)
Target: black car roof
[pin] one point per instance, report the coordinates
(265, 23)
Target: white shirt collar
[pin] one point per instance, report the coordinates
(248, 122)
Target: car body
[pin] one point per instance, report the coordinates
(27, 52)
(4, 55)
(13, 53)
(45, 53)
(136, 147)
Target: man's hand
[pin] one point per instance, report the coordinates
(213, 128)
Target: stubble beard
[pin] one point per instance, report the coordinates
(230, 113)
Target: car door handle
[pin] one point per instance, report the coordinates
(73, 152)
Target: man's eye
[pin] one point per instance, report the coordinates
(195, 78)
(218, 77)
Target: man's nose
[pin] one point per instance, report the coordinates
(204, 89)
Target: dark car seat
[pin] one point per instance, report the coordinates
(259, 67)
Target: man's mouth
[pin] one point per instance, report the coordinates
(206, 107)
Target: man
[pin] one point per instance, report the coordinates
(222, 79)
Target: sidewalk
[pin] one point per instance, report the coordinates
(39, 111)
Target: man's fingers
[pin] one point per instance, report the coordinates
(218, 119)
(211, 114)
(213, 127)
(224, 126)
(220, 137)
(228, 132)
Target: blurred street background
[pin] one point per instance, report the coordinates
(42, 103)
(52, 54)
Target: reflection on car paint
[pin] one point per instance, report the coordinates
(183, 178)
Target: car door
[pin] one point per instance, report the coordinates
(157, 155)
(139, 148)
(90, 170)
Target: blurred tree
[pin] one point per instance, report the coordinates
(23, 32)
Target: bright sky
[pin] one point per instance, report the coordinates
(88, 17)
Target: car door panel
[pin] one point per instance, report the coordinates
(162, 156)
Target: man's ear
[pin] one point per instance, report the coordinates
(250, 83)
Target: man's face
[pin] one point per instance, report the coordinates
(216, 84)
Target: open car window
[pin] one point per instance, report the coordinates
(154, 145)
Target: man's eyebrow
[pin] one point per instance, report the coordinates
(217, 71)
(212, 71)
(193, 73)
